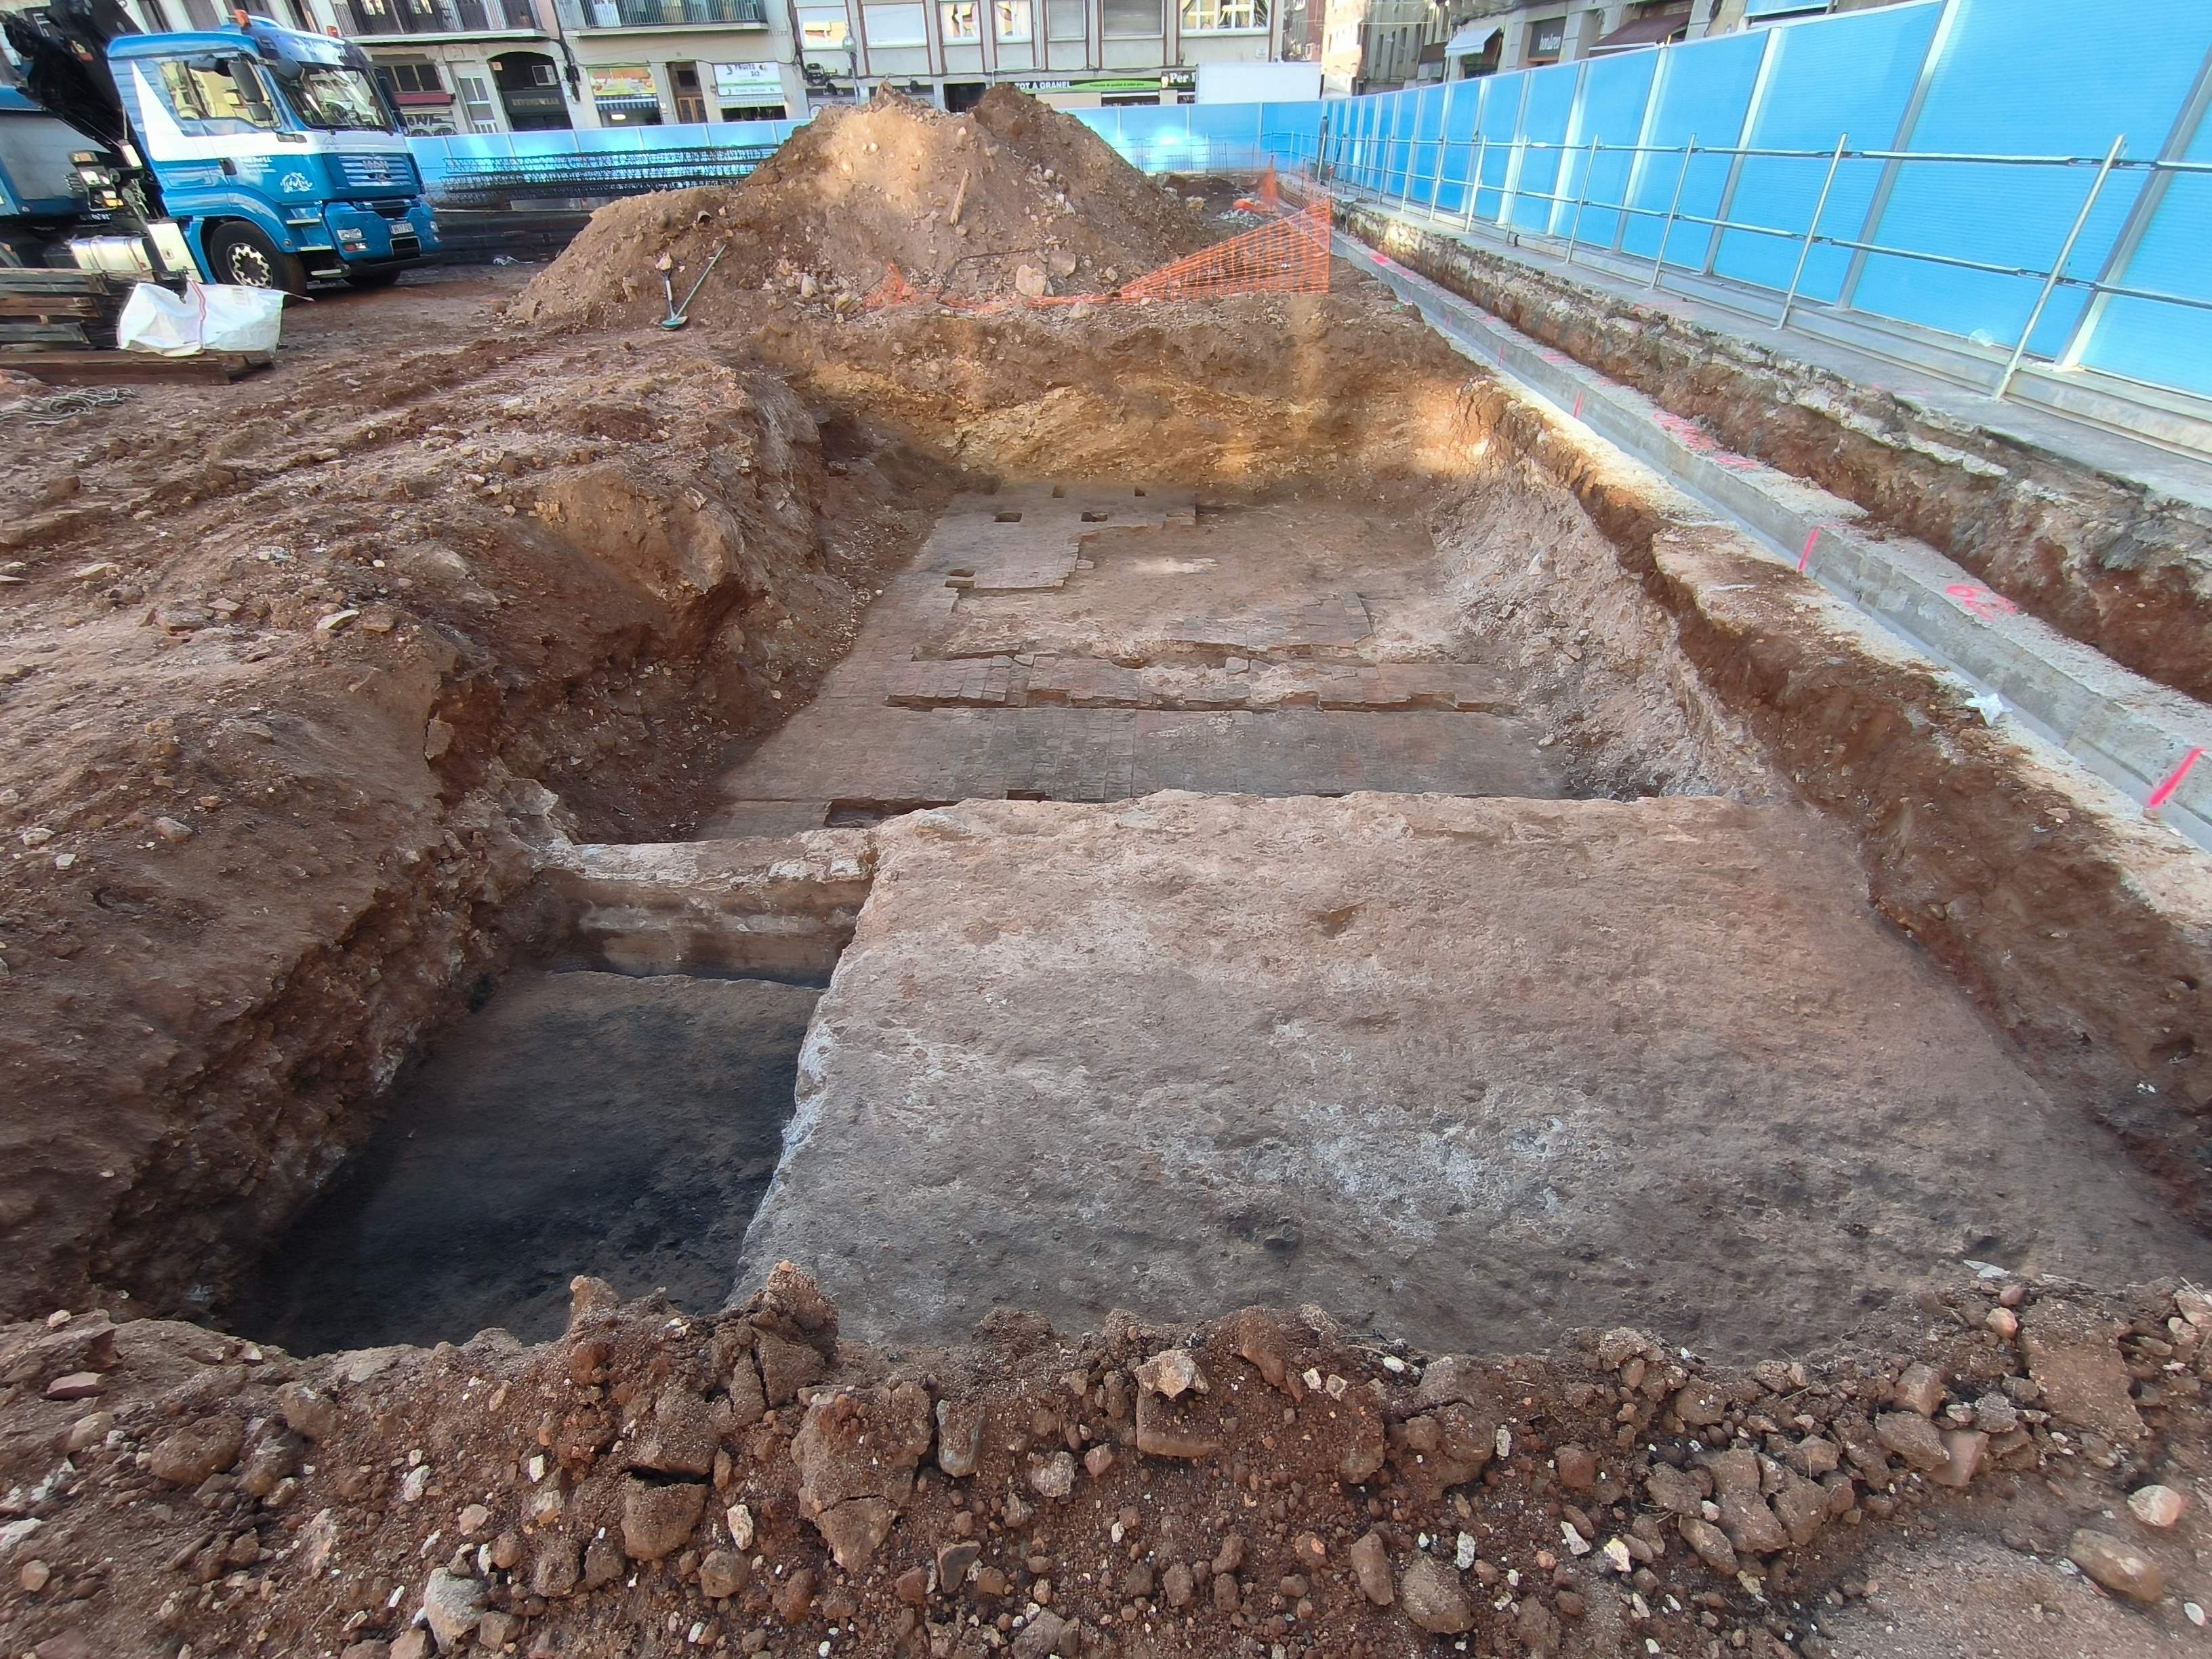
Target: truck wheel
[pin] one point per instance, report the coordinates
(240, 252)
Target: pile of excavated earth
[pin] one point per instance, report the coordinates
(1008, 198)
(1393, 1041)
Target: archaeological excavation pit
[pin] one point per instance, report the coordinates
(1252, 901)
(893, 866)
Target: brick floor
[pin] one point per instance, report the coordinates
(1250, 690)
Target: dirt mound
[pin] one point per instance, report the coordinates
(958, 203)
(1269, 1484)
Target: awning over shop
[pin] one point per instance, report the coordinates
(1644, 32)
(1472, 39)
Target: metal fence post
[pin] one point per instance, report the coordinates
(1582, 195)
(1813, 230)
(1444, 146)
(1667, 230)
(1474, 178)
(2058, 267)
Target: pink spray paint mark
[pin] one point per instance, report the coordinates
(1978, 601)
(1805, 553)
(2164, 793)
(1578, 405)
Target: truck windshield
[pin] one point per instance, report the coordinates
(333, 98)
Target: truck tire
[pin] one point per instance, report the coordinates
(242, 253)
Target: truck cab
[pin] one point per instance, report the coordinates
(275, 154)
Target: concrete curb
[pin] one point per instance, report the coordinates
(2131, 731)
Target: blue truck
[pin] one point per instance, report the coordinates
(254, 155)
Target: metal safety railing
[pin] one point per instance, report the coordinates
(1349, 157)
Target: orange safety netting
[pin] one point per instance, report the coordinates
(1290, 254)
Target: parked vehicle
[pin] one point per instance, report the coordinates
(254, 155)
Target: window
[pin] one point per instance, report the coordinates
(475, 103)
(957, 18)
(1011, 20)
(415, 78)
(1068, 20)
(1133, 17)
(1218, 17)
(335, 99)
(691, 99)
(895, 25)
(223, 92)
(824, 28)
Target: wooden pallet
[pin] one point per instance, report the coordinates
(85, 367)
(43, 307)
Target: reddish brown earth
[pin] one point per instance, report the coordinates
(662, 1482)
(277, 717)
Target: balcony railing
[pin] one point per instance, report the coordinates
(663, 14)
(389, 17)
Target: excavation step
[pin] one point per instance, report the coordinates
(1477, 1070)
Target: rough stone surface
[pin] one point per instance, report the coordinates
(1433, 1597)
(453, 1608)
(1008, 947)
(186, 1456)
(2158, 1506)
(2076, 1364)
(1370, 1565)
(2119, 1566)
(658, 1520)
(856, 1452)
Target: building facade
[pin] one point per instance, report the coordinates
(520, 65)
(1071, 53)
(1489, 36)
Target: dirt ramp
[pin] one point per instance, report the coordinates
(957, 204)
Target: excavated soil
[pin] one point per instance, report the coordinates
(305, 724)
(281, 720)
(2118, 564)
(958, 203)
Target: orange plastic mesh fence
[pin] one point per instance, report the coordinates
(1271, 195)
(1288, 255)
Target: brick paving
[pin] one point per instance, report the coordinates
(1257, 693)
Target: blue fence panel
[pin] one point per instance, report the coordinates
(1852, 76)
(1704, 94)
(2023, 77)
(1500, 119)
(1615, 93)
(1403, 112)
(2167, 345)
(1544, 120)
(1428, 125)
(1460, 102)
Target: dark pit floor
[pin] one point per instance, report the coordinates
(579, 1122)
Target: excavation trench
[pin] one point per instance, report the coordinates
(1387, 878)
